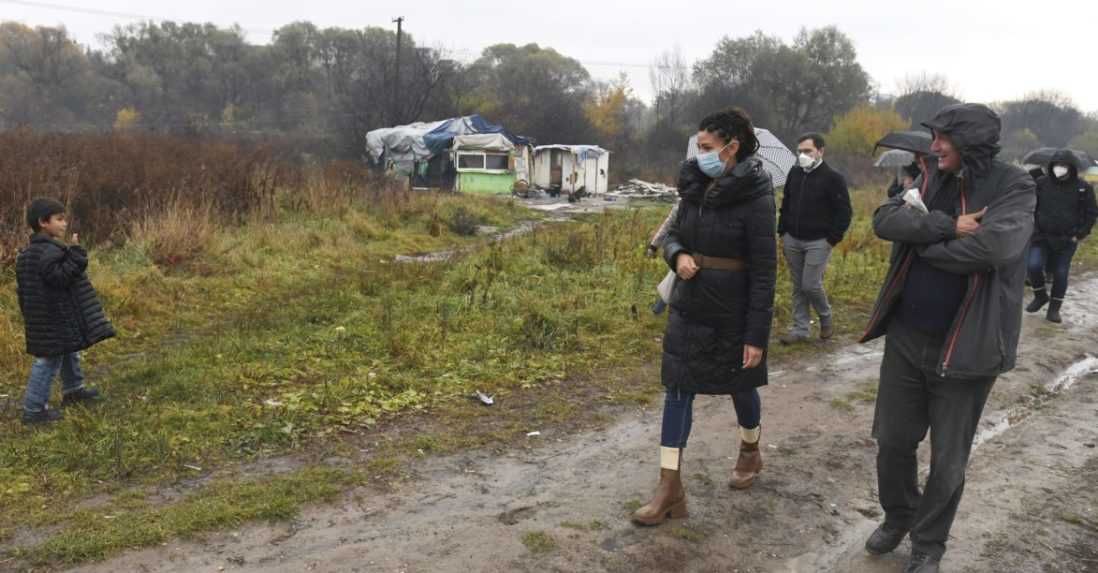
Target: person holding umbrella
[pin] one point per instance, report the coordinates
(722, 246)
(905, 180)
(776, 159)
(912, 147)
(1066, 212)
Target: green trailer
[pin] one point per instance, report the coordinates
(489, 164)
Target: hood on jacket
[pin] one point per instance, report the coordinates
(1063, 157)
(747, 181)
(974, 129)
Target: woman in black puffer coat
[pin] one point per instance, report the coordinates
(723, 247)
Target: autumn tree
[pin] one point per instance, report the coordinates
(858, 131)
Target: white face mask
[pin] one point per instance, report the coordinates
(1060, 171)
(806, 161)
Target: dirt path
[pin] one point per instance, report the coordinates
(1031, 502)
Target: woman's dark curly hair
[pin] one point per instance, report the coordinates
(733, 123)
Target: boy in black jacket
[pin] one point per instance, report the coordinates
(61, 311)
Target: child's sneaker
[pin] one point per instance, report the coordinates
(41, 417)
(81, 396)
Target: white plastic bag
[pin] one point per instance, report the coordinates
(915, 199)
(666, 286)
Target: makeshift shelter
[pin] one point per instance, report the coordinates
(489, 163)
(572, 168)
(422, 149)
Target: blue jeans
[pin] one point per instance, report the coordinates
(678, 415)
(41, 378)
(1058, 259)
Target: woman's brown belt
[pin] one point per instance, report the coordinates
(719, 263)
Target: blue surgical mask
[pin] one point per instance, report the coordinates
(710, 163)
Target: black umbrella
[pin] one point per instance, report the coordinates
(913, 141)
(1044, 155)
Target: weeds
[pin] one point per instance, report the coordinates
(96, 534)
(108, 181)
(539, 543)
(278, 334)
(688, 533)
(463, 223)
(181, 233)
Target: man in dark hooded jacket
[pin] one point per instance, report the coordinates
(1066, 211)
(951, 307)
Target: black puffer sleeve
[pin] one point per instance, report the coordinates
(60, 266)
(762, 254)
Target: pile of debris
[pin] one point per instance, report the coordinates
(637, 189)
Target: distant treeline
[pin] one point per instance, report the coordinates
(325, 88)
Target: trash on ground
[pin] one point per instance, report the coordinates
(484, 398)
(637, 189)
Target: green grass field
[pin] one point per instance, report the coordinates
(302, 338)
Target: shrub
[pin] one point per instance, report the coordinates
(463, 222)
(180, 233)
(109, 180)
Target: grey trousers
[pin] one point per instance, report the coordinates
(807, 262)
(912, 399)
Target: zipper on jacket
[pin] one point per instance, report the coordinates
(973, 287)
(901, 273)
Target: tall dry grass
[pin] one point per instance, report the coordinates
(112, 182)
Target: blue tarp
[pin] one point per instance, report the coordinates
(440, 138)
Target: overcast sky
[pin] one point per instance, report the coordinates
(989, 50)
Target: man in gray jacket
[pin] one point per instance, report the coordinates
(951, 307)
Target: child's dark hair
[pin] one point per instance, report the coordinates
(42, 209)
(733, 123)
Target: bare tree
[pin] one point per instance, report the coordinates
(926, 82)
(1051, 115)
(922, 95)
(670, 78)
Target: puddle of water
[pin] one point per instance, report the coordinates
(852, 359)
(437, 257)
(997, 424)
(1003, 421)
(551, 207)
(443, 256)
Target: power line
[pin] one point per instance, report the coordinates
(262, 31)
(110, 13)
(80, 10)
(469, 55)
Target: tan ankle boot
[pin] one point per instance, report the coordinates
(669, 501)
(750, 462)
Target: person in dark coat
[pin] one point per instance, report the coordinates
(723, 248)
(905, 180)
(1066, 211)
(814, 218)
(61, 311)
(951, 306)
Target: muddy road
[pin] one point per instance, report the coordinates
(1031, 502)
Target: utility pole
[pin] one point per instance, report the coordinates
(396, 76)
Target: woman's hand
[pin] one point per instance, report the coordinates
(752, 356)
(685, 266)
